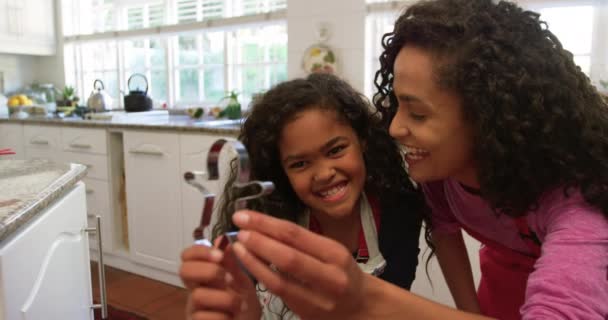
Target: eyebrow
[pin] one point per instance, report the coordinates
(326, 146)
(407, 97)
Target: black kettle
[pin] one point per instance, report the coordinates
(137, 100)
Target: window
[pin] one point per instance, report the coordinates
(190, 51)
(580, 25)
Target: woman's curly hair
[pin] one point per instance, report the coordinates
(260, 134)
(537, 121)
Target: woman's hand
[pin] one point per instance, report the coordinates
(218, 287)
(318, 277)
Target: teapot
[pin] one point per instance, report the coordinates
(137, 100)
(99, 100)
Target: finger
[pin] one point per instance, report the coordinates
(330, 278)
(236, 274)
(195, 273)
(298, 296)
(210, 299)
(209, 315)
(290, 234)
(199, 252)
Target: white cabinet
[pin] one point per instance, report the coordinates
(11, 136)
(88, 146)
(45, 267)
(152, 179)
(27, 27)
(42, 142)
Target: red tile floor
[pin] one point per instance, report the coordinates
(153, 299)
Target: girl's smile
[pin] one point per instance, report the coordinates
(323, 160)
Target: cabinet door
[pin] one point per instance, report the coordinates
(152, 180)
(194, 150)
(27, 27)
(45, 267)
(98, 204)
(11, 136)
(42, 142)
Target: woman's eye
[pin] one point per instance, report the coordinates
(417, 117)
(336, 150)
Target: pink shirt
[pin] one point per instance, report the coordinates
(570, 279)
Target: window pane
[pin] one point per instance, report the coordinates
(212, 9)
(157, 54)
(213, 47)
(584, 62)
(252, 80)
(156, 15)
(158, 86)
(188, 85)
(572, 25)
(214, 83)
(135, 55)
(188, 53)
(278, 73)
(99, 56)
(110, 80)
(135, 18)
(186, 11)
(256, 45)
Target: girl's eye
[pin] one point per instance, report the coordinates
(336, 150)
(296, 165)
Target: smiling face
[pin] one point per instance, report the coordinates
(429, 123)
(323, 160)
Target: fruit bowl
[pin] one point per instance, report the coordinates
(18, 112)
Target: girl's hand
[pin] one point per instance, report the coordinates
(218, 287)
(318, 277)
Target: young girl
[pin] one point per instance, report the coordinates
(509, 141)
(336, 172)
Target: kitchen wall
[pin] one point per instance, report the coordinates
(22, 70)
(17, 70)
(345, 22)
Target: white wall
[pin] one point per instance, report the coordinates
(345, 20)
(22, 70)
(17, 70)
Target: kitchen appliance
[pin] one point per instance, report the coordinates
(99, 100)
(137, 100)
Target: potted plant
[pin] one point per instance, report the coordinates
(233, 108)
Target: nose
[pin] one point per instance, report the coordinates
(398, 128)
(324, 174)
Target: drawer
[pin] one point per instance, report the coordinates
(42, 137)
(97, 165)
(84, 140)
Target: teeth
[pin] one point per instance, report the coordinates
(414, 152)
(332, 191)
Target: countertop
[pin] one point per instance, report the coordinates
(161, 123)
(30, 186)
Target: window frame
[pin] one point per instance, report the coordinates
(168, 34)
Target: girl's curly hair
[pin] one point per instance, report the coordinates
(260, 134)
(537, 121)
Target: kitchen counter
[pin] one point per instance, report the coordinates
(30, 186)
(160, 123)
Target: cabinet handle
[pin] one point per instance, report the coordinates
(147, 152)
(102, 273)
(39, 142)
(80, 146)
(89, 191)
